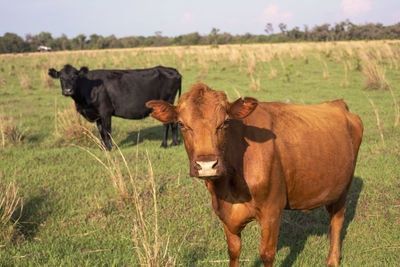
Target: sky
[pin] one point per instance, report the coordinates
(173, 17)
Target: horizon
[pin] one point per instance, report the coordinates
(141, 18)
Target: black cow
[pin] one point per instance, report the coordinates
(100, 94)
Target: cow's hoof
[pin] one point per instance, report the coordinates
(174, 143)
(163, 145)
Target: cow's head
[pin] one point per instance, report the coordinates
(69, 78)
(204, 117)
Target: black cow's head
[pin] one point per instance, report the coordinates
(69, 77)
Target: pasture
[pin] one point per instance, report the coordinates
(137, 205)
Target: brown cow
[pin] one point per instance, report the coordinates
(260, 158)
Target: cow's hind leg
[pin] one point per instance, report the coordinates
(165, 135)
(174, 127)
(104, 126)
(234, 247)
(336, 212)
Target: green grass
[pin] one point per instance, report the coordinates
(72, 214)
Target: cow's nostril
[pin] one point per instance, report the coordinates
(196, 166)
(215, 164)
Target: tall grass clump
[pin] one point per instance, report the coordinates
(374, 74)
(396, 109)
(251, 64)
(25, 82)
(47, 82)
(150, 248)
(378, 121)
(11, 132)
(10, 203)
(255, 84)
(71, 127)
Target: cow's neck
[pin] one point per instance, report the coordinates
(78, 96)
(231, 188)
(230, 193)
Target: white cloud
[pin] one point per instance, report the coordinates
(272, 14)
(355, 7)
(187, 17)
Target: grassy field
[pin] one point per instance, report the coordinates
(82, 207)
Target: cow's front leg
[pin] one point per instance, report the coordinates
(270, 223)
(174, 127)
(165, 135)
(104, 126)
(234, 247)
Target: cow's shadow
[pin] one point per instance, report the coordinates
(297, 226)
(35, 211)
(153, 133)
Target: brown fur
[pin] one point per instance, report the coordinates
(272, 156)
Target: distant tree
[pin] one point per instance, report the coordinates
(306, 32)
(269, 28)
(12, 43)
(295, 34)
(112, 42)
(214, 36)
(321, 33)
(189, 39)
(129, 42)
(224, 38)
(93, 42)
(79, 42)
(392, 32)
(282, 28)
(44, 38)
(65, 43)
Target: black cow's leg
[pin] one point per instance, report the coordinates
(174, 127)
(165, 135)
(104, 126)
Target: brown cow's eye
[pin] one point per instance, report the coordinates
(224, 125)
(180, 124)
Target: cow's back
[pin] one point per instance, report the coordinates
(129, 90)
(317, 147)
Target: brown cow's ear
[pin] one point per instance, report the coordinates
(242, 108)
(162, 111)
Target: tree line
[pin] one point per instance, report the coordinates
(346, 30)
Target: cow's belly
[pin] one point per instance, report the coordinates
(323, 186)
(89, 114)
(133, 113)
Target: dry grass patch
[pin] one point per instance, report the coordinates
(255, 84)
(70, 126)
(375, 77)
(11, 132)
(25, 82)
(47, 81)
(10, 203)
(151, 248)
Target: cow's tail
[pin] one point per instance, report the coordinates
(180, 87)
